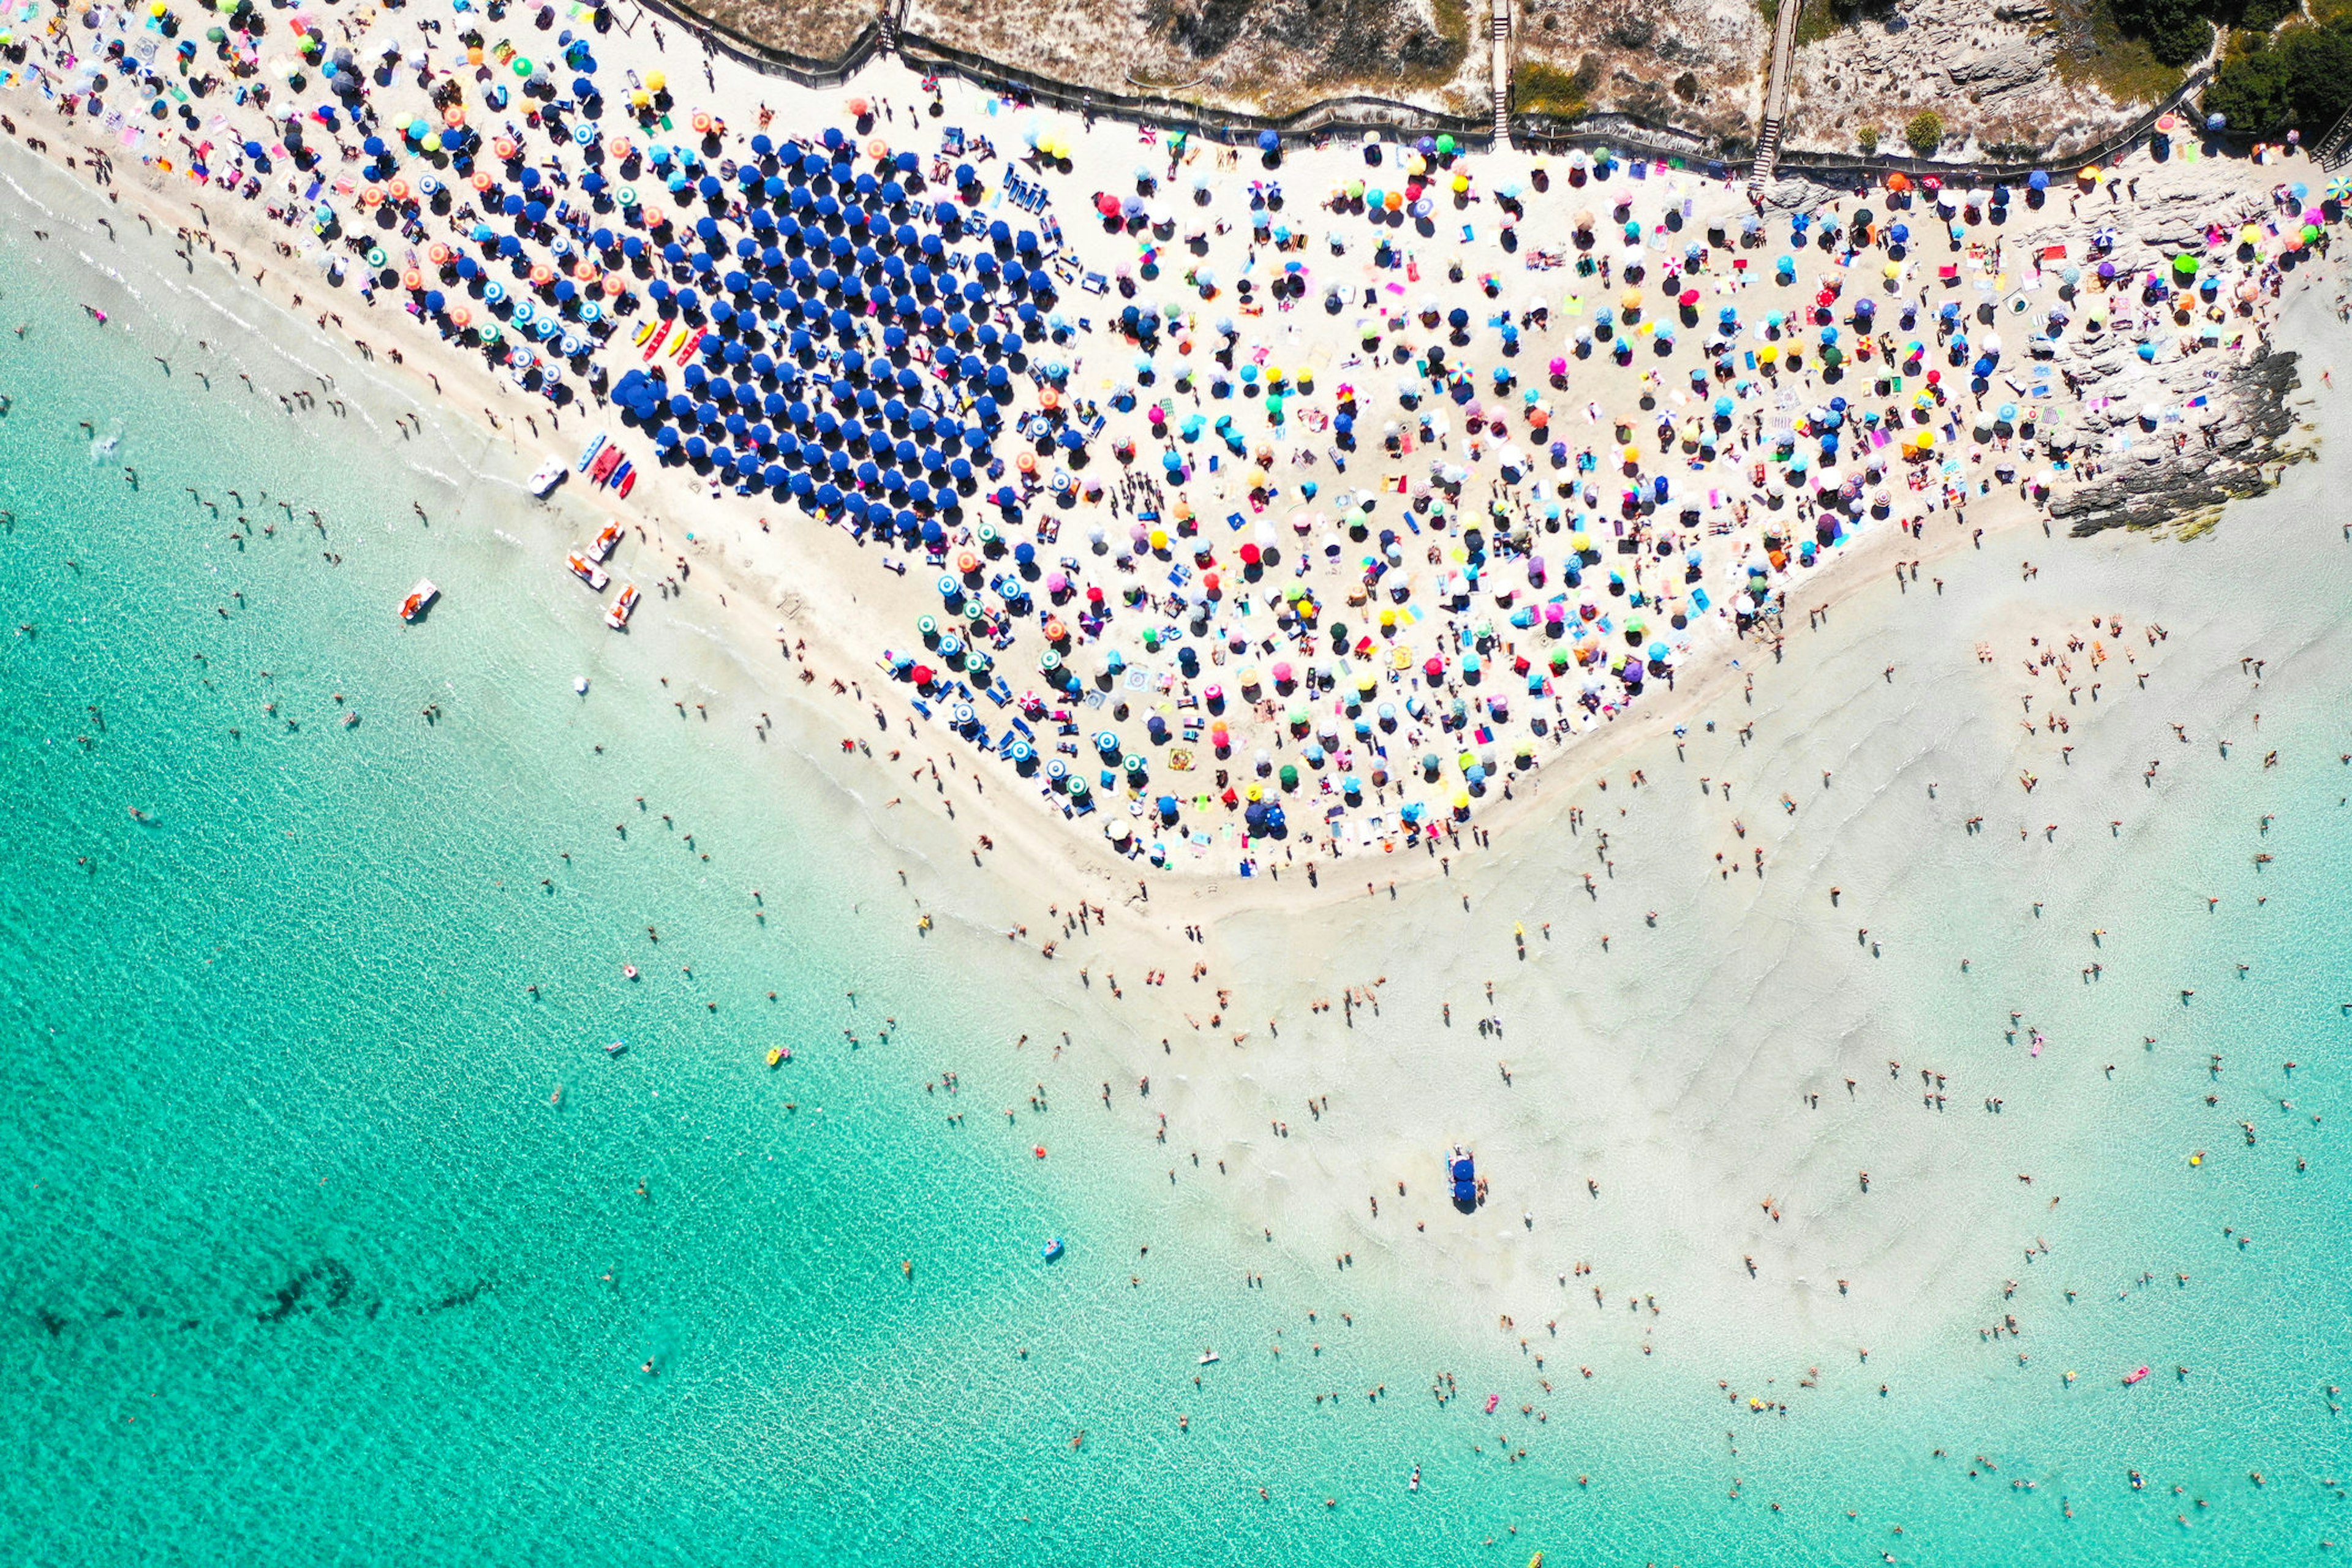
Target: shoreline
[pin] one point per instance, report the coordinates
(1037, 863)
(813, 583)
(1669, 1068)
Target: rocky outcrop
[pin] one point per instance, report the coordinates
(2154, 452)
(2234, 452)
(1990, 72)
(1262, 55)
(1996, 71)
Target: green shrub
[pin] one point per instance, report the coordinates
(1868, 138)
(2178, 31)
(2303, 79)
(1925, 132)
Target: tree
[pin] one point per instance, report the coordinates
(2250, 90)
(2303, 79)
(2178, 31)
(1925, 132)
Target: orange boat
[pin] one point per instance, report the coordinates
(420, 599)
(618, 617)
(607, 540)
(587, 571)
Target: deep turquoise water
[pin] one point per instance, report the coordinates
(299, 1262)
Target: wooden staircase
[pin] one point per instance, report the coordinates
(1768, 155)
(2335, 149)
(1499, 32)
(1776, 98)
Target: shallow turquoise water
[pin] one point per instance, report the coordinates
(299, 1260)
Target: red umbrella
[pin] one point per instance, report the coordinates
(1435, 668)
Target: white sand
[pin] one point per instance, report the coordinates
(1668, 1069)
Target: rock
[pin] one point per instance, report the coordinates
(2011, 69)
(2219, 463)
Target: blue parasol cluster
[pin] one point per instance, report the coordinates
(848, 354)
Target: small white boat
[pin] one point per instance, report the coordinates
(548, 475)
(607, 540)
(1210, 1358)
(618, 617)
(587, 571)
(420, 599)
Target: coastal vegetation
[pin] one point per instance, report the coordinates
(1539, 86)
(2099, 51)
(2179, 32)
(2301, 78)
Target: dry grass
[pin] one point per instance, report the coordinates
(813, 30)
(1274, 55)
(1697, 63)
(1539, 86)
